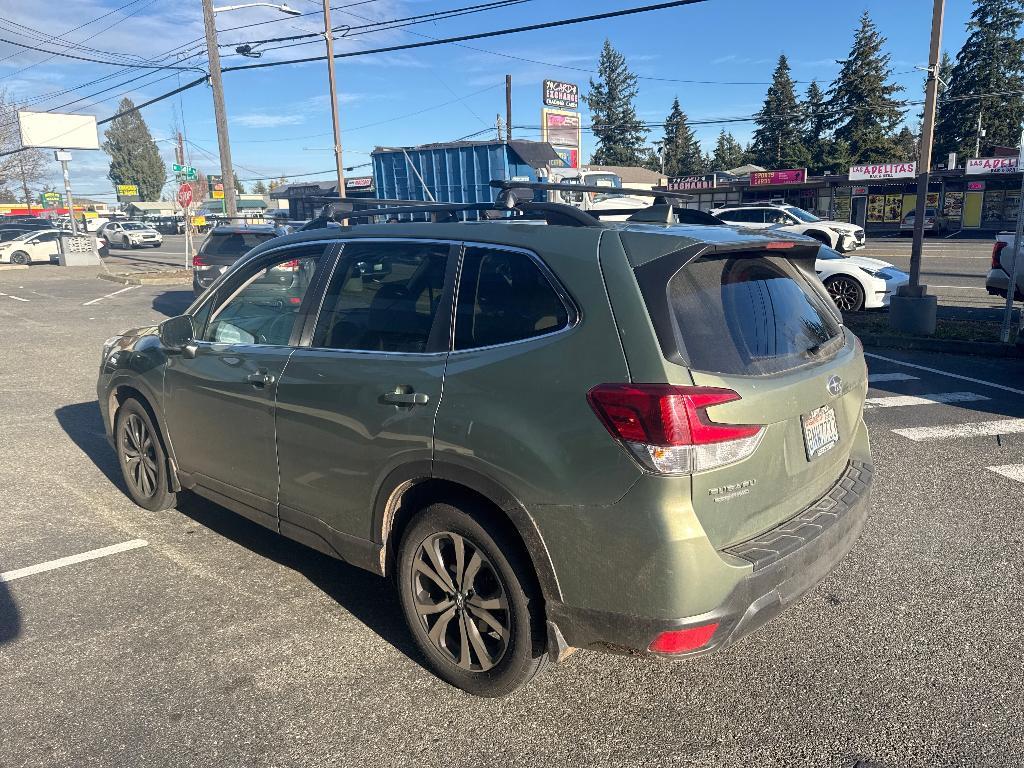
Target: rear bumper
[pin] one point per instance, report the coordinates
(786, 561)
(998, 282)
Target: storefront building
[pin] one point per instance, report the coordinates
(985, 195)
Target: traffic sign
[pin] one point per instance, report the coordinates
(185, 195)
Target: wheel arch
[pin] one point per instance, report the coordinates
(411, 488)
(121, 391)
(822, 237)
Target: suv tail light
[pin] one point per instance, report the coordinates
(291, 266)
(667, 429)
(197, 260)
(997, 247)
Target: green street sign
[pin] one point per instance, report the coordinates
(191, 174)
(177, 168)
(187, 170)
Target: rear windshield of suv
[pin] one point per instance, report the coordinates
(750, 315)
(234, 243)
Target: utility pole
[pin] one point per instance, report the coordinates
(508, 108)
(977, 133)
(1016, 258)
(329, 37)
(497, 126)
(219, 112)
(912, 310)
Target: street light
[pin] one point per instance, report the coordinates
(219, 111)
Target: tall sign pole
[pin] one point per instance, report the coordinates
(913, 310)
(220, 112)
(329, 37)
(64, 156)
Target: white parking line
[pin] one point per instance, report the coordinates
(895, 401)
(101, 298)
(945, 373)
(92, 554)
(16, 298)
(973, 429)
(1012, 471)
(874, 378)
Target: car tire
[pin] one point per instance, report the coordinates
(846, 292)
(140, 453)
(480, 629)
(156, 245)
(20, 257)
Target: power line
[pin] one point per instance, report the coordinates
(478, 35)
(84, 58)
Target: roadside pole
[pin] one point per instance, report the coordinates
(220, 112)
(912, 309)
(1018, 250)
(64, 156)
(329, 38)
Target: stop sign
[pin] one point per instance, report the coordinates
(185, 195)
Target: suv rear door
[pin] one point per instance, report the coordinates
(359, 396)
(759, 324)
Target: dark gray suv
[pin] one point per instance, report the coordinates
(224, 246)
(551, 432)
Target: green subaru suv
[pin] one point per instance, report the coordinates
(550, 432)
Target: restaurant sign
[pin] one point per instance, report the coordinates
(768, 178)
(880, 171)
(979, 165)
(561, 95)
(685, 183)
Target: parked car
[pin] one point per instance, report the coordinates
(131, 234)
(26, 222)
(857, 282)
(9, 232)
(837, 235)
(630, 438)
(224, 246)
(933, 223)
(37, 245)
(998, 279)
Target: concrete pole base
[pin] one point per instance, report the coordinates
(913, 314)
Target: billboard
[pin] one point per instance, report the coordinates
(561, 95)
(767, 178)
(881, 171)
(569, 157)
(683, 183)
(56, 131)
(127, 193)
(979, 165)
(561, 128)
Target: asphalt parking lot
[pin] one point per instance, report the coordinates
(203, 639)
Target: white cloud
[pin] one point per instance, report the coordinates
(265, 120)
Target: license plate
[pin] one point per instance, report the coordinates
(821, 433)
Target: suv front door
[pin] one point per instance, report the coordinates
(219, 402)
(359, 400)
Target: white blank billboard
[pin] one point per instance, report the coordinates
(55, 131)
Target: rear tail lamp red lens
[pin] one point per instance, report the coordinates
(997, 247)
(778, 245)
(667, 427)
(198, 261)
(683, 640)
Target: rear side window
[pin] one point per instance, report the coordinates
(234, 244)
(751, 315)
(503, 297)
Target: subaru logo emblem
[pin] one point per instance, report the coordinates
(835, 386)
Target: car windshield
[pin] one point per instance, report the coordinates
(801, 214)
(828, 254)
(603, 180)
(134, 225)
(233, 243)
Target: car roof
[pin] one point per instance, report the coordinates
(244, 229)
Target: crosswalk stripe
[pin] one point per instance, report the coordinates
(874, 378)
(1012, 471)
(894, 401)
(971, 429)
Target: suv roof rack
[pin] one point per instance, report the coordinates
(661, 196)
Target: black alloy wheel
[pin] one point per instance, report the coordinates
(461, 601)
(471, 600)
(141, 456)
(846, 292)
(20, 257)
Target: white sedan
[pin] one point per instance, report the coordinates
(35, 246)
(857, 282)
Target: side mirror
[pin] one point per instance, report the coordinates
(177, 334)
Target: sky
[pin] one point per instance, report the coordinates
(280, 120)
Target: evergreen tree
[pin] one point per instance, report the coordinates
(991, 61)
(134, 157)
(239, 187)
(680, 151)
(778, 139)
(619, 133)
(906, 145)
(837, 156)
(728, 153)
(862, 97)
(815, 129)
(259, 188)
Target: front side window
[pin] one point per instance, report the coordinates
(503, 297)
(264, 309)
(383, 297)
(777, 217)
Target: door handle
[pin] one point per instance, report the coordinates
(260, 379)
(405, 396)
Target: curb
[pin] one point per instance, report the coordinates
(12, 266)
(146, 278)
(948, 346)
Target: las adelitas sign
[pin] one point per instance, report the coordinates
(877, 171)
